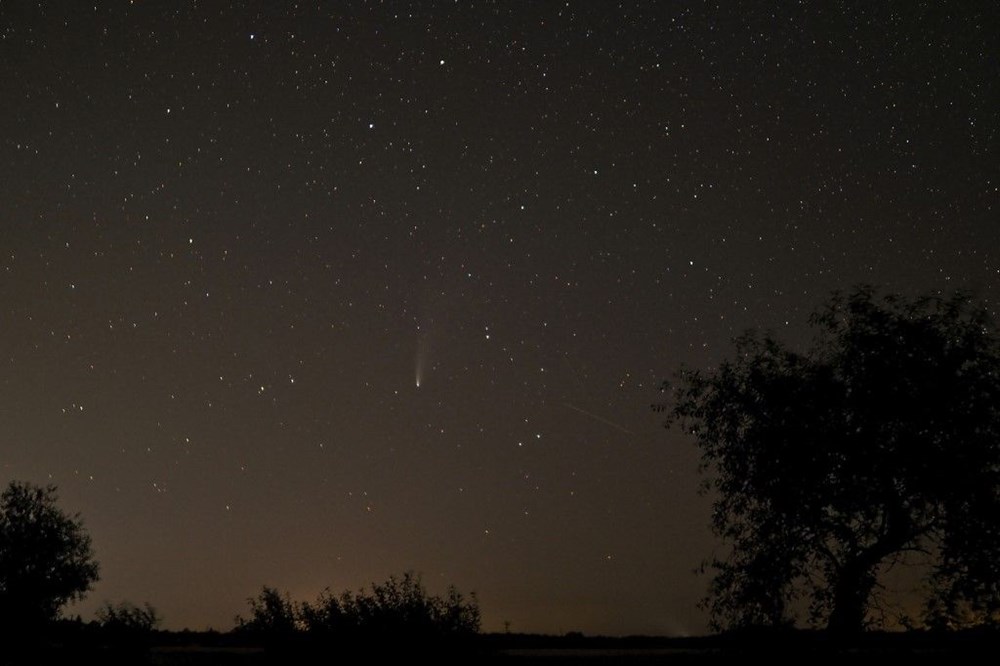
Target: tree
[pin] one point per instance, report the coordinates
(45, 556)
(878, 444)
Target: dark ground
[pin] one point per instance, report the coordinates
(523, 650)
(215, 649)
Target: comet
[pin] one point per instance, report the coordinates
(419, 362)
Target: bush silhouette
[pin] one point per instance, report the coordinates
(273, 617)
(399, 609)
(126, 625)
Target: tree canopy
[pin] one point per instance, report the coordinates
(45, 556)
(878, 444)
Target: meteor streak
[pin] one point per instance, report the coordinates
(599, 418)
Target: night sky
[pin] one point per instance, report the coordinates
(310, 294)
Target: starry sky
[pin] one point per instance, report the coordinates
(307, 294)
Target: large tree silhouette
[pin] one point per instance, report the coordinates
(45, 558)
(881, 440)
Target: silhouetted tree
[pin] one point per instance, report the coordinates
(45, 558)
(828, 465)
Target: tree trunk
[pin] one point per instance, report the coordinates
(851, 592)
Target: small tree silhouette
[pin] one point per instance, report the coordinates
(45, 558)
(882, 439)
